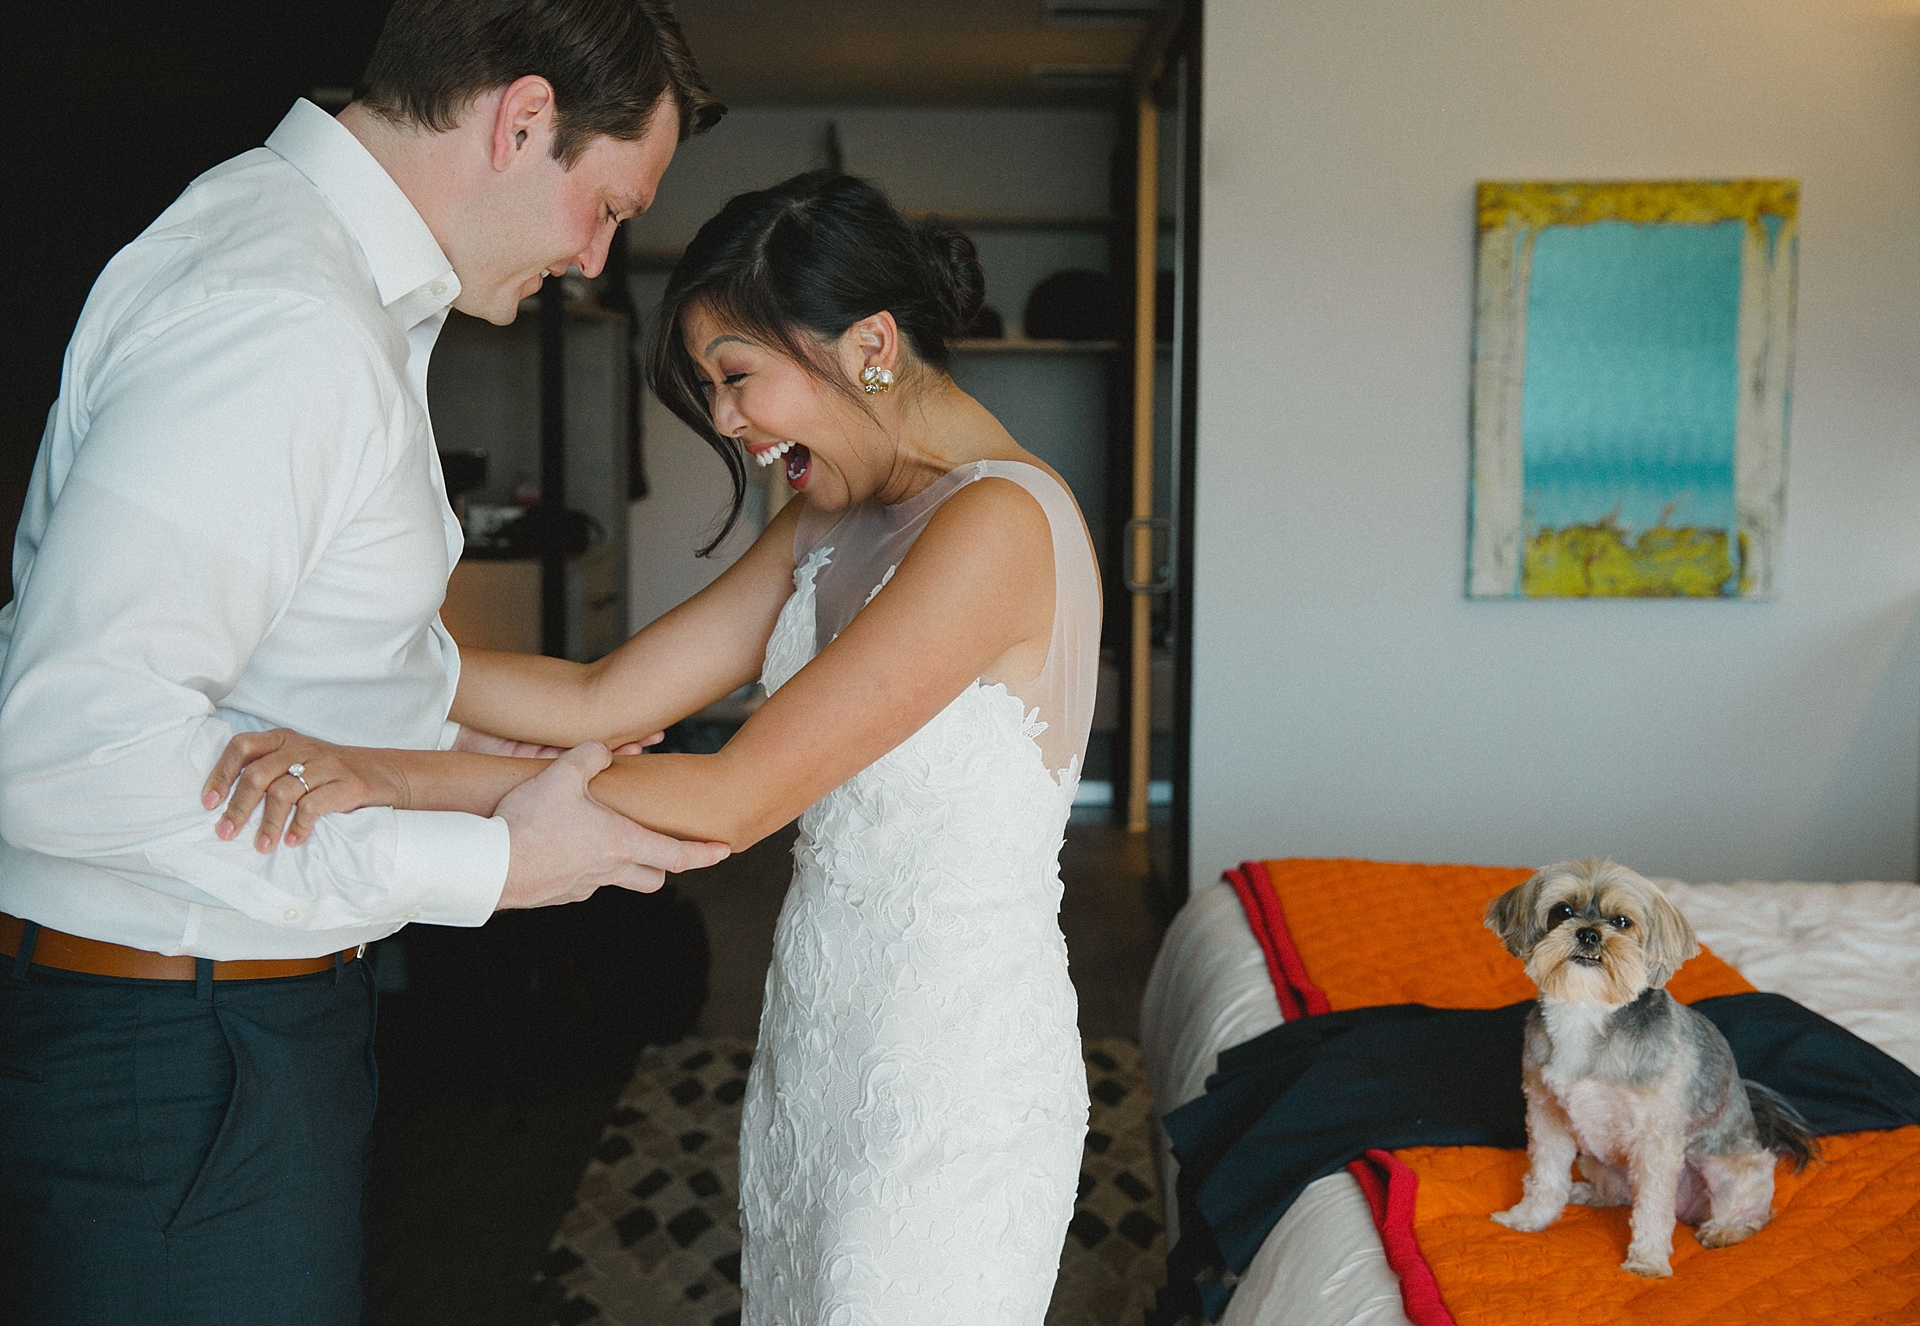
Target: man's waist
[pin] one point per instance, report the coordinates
(83, 899)
(43, 946)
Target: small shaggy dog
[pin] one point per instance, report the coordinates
(1619, 1075)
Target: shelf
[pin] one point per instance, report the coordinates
(1020, 345)
(663, 259)
(1015, 220)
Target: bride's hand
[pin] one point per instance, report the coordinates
(296, 776)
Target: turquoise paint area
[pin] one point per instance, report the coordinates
(1631, 375)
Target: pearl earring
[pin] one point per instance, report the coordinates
(875, 379)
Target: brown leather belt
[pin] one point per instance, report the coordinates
(93, 957)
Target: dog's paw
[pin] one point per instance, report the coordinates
(1714, 1234)
(1647, 1264)
(1583, 1194)
(1526, 1219)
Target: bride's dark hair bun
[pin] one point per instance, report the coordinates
(793, 267)
(955, 262)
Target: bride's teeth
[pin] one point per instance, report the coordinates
(771, 454)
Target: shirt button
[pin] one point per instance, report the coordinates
(437, 288)
(411, 914)
(291, 915)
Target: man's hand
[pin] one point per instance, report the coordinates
(565, 844)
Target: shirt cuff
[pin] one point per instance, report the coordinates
(449, 868)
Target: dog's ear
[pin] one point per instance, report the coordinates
(1668, 940)
(1512, 917)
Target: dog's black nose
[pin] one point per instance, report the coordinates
(1587, 937)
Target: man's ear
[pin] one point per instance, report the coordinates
(522, 120)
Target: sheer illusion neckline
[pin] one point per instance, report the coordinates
(908, 508)
(842, 562)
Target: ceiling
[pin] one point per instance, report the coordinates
(913, 52)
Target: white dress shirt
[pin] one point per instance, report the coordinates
(236, 522)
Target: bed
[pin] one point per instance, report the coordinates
(1848, 951)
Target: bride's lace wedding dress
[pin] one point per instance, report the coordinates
(912, 1129)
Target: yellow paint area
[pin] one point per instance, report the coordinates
(1531, 204)
(1598, 561)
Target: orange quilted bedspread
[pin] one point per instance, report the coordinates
(1844, 1243)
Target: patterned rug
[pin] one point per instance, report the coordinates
(654, 1235)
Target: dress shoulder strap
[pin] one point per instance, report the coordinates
(1065, 689)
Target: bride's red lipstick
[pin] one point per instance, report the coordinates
(799, 462)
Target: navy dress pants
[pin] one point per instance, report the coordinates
(175, 1153)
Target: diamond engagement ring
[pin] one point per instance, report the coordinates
(300, 771)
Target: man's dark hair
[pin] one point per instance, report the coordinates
(610, 62)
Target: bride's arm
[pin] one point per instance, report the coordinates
(707, 647)
(974, 597)
(974, 594)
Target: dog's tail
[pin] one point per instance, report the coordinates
(1783, 1129)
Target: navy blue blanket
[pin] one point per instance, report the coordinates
(1312, 1095)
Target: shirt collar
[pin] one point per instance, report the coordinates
(413, 276)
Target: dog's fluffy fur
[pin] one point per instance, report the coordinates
(1638, 1088)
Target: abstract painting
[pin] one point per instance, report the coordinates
(1632, 345)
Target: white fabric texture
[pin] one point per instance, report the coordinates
(1850, 952)
(911, 1135)
(237, 521)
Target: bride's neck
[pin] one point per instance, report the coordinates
(938, 429)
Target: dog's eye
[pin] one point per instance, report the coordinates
(1621, 922)
(1559, 912)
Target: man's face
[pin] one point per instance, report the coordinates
(543, 217)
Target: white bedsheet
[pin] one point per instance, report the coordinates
(1848, 951)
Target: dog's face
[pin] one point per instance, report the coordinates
(1592, 932)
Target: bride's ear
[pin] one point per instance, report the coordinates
(873, 342)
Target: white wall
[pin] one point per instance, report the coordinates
(1053, 162)
(1348, 699)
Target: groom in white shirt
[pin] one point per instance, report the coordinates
(236, 521)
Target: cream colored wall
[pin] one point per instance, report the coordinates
(1348, 699)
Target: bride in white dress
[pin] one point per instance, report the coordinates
(925, 623)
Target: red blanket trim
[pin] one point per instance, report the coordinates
(1390, 1187)
(1299, 996)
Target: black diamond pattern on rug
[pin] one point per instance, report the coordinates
(650, 1185)
(613, 1148)
(673, 1146)
(1089, 1228)
(635, 1225)
(689, 1225)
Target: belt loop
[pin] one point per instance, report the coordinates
(337, 966)
(29, 936)
(203, 980)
